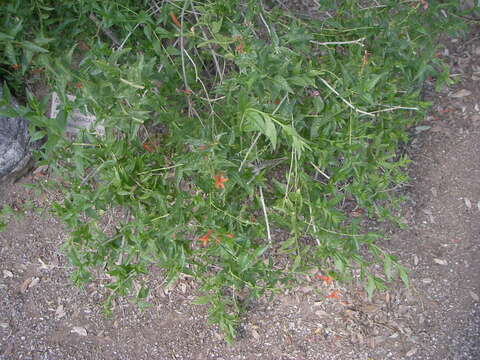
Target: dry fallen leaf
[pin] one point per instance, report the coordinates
(370, 308)
(79, 330)
(3, 325)
(468, 203)
(440, 261)
(25, 285)
(41, 169)
(361, 339)
(306, 289)
(7, 274)
(44, 266)
(255, 334)
(161, 292)
(60, 312)
(379, 339)
(461, 93)
(371, 343)
(411, 352)
(474, 296)
(421, 128)
(34, 282)
(183, 287)
(321, 313)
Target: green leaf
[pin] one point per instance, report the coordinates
(298, 143)
(296, 263)
(258, 121)
(259, 252)
(402, 272)
(33, 47)
(339, 264)
(283, 83)
(202, 300)
(215, 26)
(373, 81)
(10, 53)
(4, 36)
(288, 246)
(303, 81)
(143, 293)
(371, 286)
(7, 96)
(387, 267)
(254, 121)
(318, 103)
(270, 131)
(8, 111)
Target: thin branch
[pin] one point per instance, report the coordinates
(128, 36)
(395, 108)
(358, 42)
(313, 224)
(320, 171)
(344, 100)
(212, 100)
(265, 23)
(372, 7)
(182, 49)
(154, 8)
(200, 81)
(267, 224)
(214, 54)
(248, 151)
(107, 32)
(258, 135)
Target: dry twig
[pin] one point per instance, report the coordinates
(106, 31)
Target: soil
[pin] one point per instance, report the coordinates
(42, 316)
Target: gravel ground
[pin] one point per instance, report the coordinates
(42, 316)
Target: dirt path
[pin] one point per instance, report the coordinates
(43, 317)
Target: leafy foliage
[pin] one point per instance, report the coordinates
(224, 119)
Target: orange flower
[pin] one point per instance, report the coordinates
(15, 67)
(205, 238)
(230, 236)
(184, 91)
(147, 147)
(78, 85)
(175, 20)
(240, 47)
(335, 294)
(219, 181)
(327, 279)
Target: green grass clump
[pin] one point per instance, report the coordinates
(225, 120)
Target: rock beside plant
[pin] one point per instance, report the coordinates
(15, 152)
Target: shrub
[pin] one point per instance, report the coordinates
(224, 121)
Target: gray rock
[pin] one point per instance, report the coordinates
(15, 152)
